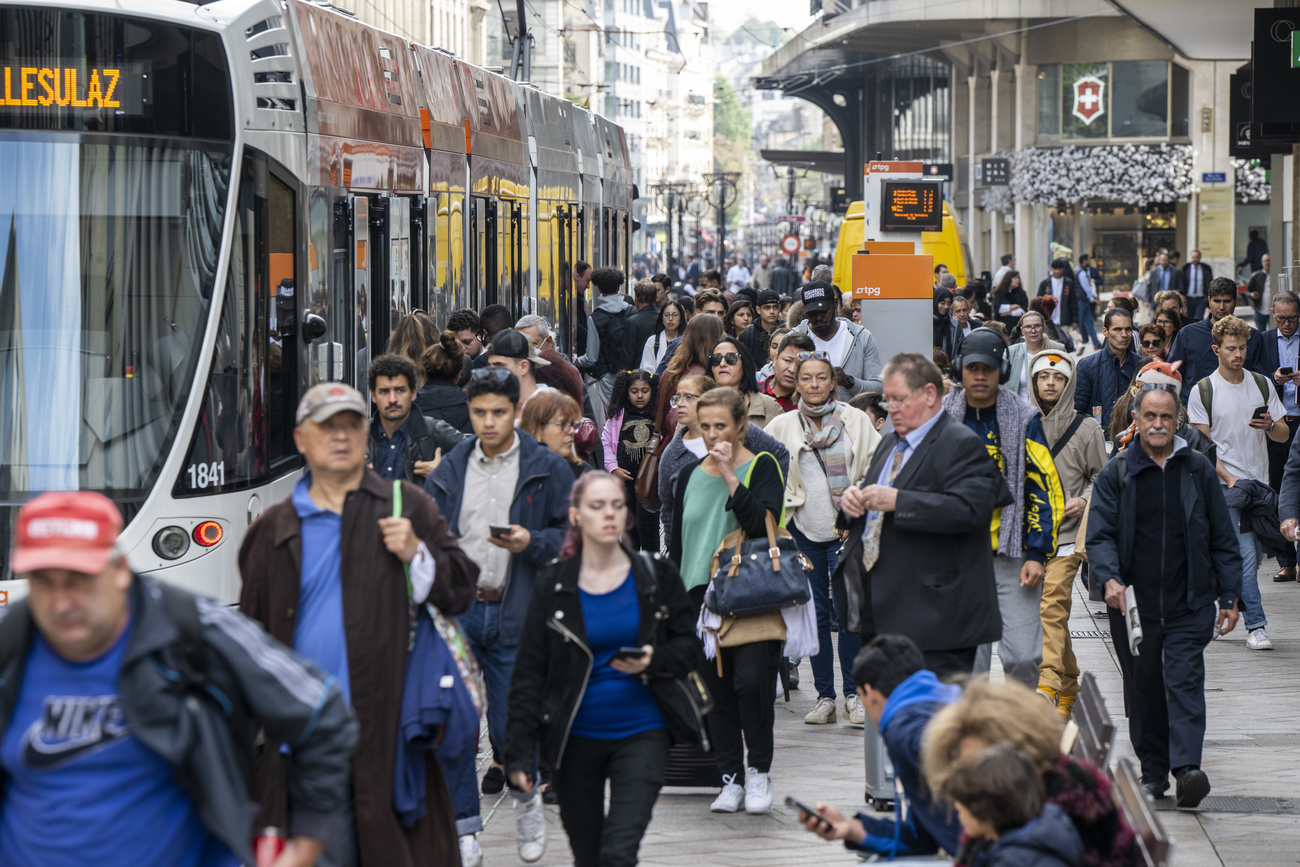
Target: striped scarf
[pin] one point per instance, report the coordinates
(828, 445)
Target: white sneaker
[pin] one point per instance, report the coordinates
(731, 798)
(1258, 640)
(531, 818)
(758, 792)
(854, 712)
(823, 713)
(471, 853)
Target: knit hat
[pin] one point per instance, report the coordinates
(1162, 372)
(1052, 361)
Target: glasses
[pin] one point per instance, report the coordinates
(574, 425)
(1151, 344)
(1031, 328)
(679, 399)
(718, 357)
(494, 374)
(892, 404)
(1159, 386)
(816, 355)
(1287, 318)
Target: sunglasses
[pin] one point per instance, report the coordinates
(494, 374)
(1159, 386)
(816, 355)
(718, 357)
(1151, 344)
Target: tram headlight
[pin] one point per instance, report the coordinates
(171, 543)
(208, 533)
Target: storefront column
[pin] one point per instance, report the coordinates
(972, 227)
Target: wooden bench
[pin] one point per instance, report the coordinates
(1153, 845)
(1096, 729)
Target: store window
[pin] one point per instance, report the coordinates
(1049, 102)
(1124, 100)
(1140, 100)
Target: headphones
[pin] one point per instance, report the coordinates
(982, 341)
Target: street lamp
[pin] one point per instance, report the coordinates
(722, 195)
(670, 195)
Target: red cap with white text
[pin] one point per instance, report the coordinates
(66, 530)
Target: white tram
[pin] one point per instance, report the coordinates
(206, 209)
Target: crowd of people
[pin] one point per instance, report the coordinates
(553, 541)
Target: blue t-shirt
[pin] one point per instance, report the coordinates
(318, 629)
(616, 705)
(82, 789)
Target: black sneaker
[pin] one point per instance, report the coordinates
(1193, 786)
(493, 781)
(1156, 789)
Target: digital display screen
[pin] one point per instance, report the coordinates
(60, 87)
(915, 206)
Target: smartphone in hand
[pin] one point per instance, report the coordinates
(797, 805)
(1259, 412)
(500, 531)
(623, 654)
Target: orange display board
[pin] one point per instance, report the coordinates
(905, 248)
(877, 275)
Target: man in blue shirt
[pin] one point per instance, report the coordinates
(104, 761)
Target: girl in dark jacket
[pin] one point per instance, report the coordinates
(607, 634)
(1010, 301)
(440, 396)
(712, 500)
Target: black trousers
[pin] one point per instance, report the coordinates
(946, 663)
(744, 706)
(1164, 689)
(634, 767)
(1277, 455)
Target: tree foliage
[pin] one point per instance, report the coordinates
(731, 120)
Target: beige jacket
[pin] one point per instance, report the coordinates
(857, 426)
(763, 408)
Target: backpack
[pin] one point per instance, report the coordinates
(1205, 389)
(615, 353)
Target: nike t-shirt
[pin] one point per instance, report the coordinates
(82, 789)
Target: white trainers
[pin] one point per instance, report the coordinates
(822, 713)
(853, 710)
(531, 819)
(1258, 640)
(731, 798)
(758, 791)
(471, 853)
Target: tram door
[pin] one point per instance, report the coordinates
(515, 262)
(419, 259)
(356, 253)
(567, 302)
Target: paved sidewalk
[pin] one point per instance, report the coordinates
(1252, 748)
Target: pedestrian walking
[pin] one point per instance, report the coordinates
(852, 347)
(731, 365)
(919, 524)
(1159, 524)
(1078, 451)
(1104, 375)
(1010, 301)
(831, 445)
(325, 571)
(1090, 284)
(610, 350)
(606, 634)
(759, 333)
(104, 761)
(1033, 328)
(691, 358)
(1061, 286)
(1196, 277)
(1260, 290)
(712, 501)
(668, 327)
(553, 419)
(627, 439)
(404, 442)
(1194, 343)
(1281, 354)
(440, 397)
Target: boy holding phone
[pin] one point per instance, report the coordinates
(1240, 411)
(900, 696)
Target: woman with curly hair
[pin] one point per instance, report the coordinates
(626, 440)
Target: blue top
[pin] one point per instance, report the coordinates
(615, 705)
(318, 628)
(82, 789)
(390, 453)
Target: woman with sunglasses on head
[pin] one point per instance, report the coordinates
(831, 445)
(607, 634)
(551, 417)
(626, 440)
(1152, 343)
(668, 327)
(733, 487)
(731, 365)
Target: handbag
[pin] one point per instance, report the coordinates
(750, 629)
(647, 475)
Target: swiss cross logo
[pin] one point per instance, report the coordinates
(1089, 98)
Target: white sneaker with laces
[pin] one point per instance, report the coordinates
(758, 792)
(530, 816)
(853, 710)
(823, 712)
(471, 853)
(1258, 640)
(731, 798)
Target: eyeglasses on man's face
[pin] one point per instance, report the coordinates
(893, 403)
(1295, 318)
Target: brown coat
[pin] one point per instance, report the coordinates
(375, 622)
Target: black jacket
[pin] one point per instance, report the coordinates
(1069, 299)
(639, 326)
(757, 340)
(1207, 274)
(424, 436)
(1257, 505)
(263, 681)
(934, 580)
(445, 401)
(750, 505)
(781, 281)
(1016, 297)
(553, 663)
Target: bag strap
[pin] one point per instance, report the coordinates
(1262, 384)
(397, 513)
(1206, 390)
(750, 472)
(1079, 419)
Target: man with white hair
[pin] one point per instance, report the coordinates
(537, 330)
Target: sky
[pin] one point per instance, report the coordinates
(728, 14)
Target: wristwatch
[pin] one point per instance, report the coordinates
(1271, 426)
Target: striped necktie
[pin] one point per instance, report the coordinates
(871, 546)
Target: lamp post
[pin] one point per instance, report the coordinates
(722, 195)
(670, 195)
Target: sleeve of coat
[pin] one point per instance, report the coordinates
(544, 546)
(1083, 389)
(1225, 550)
(970, 489)
(867, 378)
(1094, 456)
(1103, 527)
(765, 493)
(609, 439)
(254, 602)
(1288, 498)
(454, 574)
(759, 440)
(528, 683)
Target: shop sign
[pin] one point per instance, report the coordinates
(996, 171)
(1089, 98)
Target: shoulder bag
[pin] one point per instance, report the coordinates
(647, 475)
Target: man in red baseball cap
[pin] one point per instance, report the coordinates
(112, 747)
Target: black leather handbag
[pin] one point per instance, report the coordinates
(759, 575)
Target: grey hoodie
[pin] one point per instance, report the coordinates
(1082, 458)
(611, 304)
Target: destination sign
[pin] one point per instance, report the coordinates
(57, 87)
(912, 205)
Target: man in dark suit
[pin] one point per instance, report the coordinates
(1062, 287)
(1260, 289)
(692, 273)
(1281, 363)
(1196, 280)
(918, 560)
(1165, 276)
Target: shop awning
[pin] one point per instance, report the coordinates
(828, 162)
(1197, 29)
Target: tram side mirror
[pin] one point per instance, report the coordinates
(313, 327)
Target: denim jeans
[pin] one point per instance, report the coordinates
(1261, 321)
(1250, 599)
(1087, 327)
(822, 555)
(482, 625)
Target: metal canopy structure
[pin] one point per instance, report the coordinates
(1197, 29)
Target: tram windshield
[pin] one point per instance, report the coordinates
(108, 255)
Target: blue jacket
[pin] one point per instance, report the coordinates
(928, 825)
(1047, 841)
(1102, 379)
(1194, 347)
(541, 506)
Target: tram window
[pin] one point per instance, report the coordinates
(278, 233)
(456, 249)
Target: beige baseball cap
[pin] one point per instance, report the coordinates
(327, 399)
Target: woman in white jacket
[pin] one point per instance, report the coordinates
(831, 444)
(668, 327)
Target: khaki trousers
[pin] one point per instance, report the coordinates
(1059, 669)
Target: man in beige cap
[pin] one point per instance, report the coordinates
(326, 571)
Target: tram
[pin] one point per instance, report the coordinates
(207, 209)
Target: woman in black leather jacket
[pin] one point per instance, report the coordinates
(602, 680)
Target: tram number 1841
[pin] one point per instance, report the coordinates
(204, 476)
